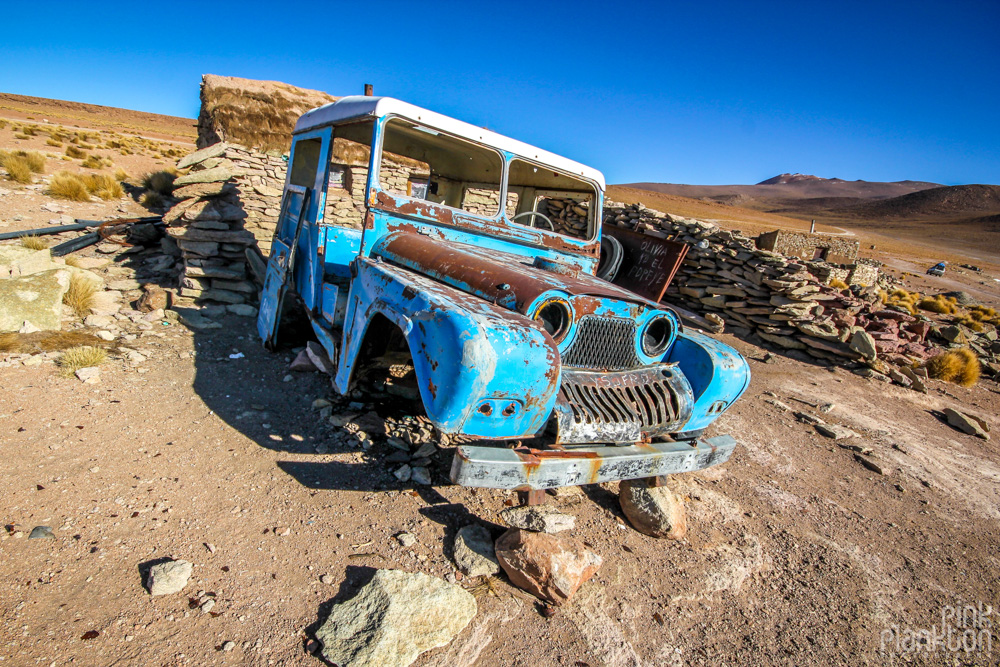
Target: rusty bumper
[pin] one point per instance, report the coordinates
(530, 469)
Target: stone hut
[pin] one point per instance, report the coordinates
(810, 247)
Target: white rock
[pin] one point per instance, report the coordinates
(474, 553)
(169, 577)
(539, 518)
(89, 375)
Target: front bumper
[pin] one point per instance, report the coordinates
(526, 469)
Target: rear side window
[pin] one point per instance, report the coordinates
(423, 163)
(347, 177)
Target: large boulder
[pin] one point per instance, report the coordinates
(35, 298)
(548, 567)
(394, 618)
(17, 261)
(653, 510)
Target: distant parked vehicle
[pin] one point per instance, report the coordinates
(937, 269)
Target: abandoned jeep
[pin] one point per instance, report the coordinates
(470, 260)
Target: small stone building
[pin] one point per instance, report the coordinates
(811, 247)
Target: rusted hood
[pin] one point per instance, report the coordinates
(503, 278)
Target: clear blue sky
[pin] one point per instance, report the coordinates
(700, 92)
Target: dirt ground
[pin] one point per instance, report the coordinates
(210, 451)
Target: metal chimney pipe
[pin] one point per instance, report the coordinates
(812, 227)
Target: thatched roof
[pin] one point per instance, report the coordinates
(257, 114)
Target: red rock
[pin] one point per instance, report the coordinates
(893, 315)
(154, 298)
(547, 566)
(921, 329)
(842, 318)
(916, 350)
(886, 346)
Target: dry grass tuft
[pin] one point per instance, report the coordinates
(152, 199)
(17, 169)
(903, 299)
(46, 341)
(121, 175)
(83, 356)
(20, 135)
(70, 260)
(160, 181)
(838, 284)
(80, 295)
(938, 304)
(73, 151)
(33, 242)
(65, 185)
(96, 162)
(960, 367)
(104, 186)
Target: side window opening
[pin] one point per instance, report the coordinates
(347, 176)
(423, 163)
(305, 162)
(551, 200)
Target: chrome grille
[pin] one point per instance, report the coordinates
(604, 343)
(624, 406)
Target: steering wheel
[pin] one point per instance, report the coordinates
(533, 214)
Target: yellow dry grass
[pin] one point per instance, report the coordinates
(74, 152)
(959, 367)
(161, 182)
(938, 304)
(65, 185)
(96, 162)
(33, 242)
(104, 186)
(83, 356)
(837, 283)
(80, 295)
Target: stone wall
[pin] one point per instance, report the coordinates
(776, 300)
(833, 249)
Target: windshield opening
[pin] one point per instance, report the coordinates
(551, 200)
(422, 163)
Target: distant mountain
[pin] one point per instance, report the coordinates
(942, 202)
(775, 193)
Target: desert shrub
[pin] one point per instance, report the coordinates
(152, 199)
(65, 185)
(121, 175)
(20, 135)
(839, 284)
(35, 160)
(52, 142)
(3, 124)
(903, 299)
(96, 162)
(960, 367)
(80, 295)
(73, 151)
(30, 131)
(967, 321)
(33, 242)
(83, 356)
(86, 147)
(160, 181)
(104, 186)
(18, 169)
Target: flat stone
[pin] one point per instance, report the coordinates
(547, 566)
(393, 619)
(203, 248)
(41, 532)
(191, 159)
(169, 577)
(968, 423)
(474, 553)
(192, 319)
(302, 364)
(89, 375)
(237, 236)
(835, 431)
(35, 298)
(539, 518)
(653, 510)
(420, 475)
(215, 175)
(106, 303)
(223, 296)
(18, 261)
(319, 357)
(241, 310)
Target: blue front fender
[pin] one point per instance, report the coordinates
(718, 375)
(482, 370)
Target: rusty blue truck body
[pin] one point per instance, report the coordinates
(474, 256)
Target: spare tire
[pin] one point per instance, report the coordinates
(612, 254)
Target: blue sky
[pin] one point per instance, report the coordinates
(700, 92)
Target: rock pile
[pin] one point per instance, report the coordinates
(227, 203)
(568, 215)
(781, 302)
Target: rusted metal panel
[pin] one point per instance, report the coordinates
(532, 469)
(650, 263)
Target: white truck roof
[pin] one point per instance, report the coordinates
(358, 106)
